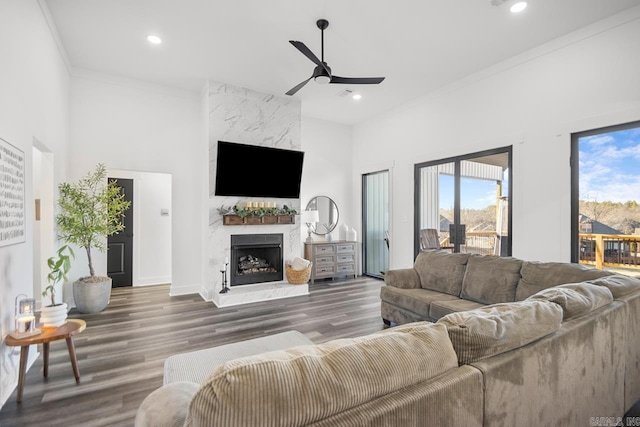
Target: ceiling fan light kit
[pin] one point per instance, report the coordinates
(322, 72)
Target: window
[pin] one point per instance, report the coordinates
(605, 192)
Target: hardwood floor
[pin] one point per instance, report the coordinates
(122, 351)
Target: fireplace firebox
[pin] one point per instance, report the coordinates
(256, 258)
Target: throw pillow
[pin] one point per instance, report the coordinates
(496, 329)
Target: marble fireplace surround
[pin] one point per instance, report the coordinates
(249, 117)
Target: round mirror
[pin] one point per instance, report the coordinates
(327, 212)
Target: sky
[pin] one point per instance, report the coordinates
(610, 166)
(474, 193)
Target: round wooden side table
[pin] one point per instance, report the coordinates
(66, 331)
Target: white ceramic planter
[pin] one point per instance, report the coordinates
(53, 315)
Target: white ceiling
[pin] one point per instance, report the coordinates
(418, 45)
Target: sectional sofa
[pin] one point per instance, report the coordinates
(441, 284)
(563, 354)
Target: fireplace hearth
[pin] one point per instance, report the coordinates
(256, 258)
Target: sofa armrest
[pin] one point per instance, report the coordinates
(166, 406)
(403, 278)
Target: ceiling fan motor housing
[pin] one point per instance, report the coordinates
(322, 74)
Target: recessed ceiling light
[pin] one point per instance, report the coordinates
(518, 7)
(154, 39)
(356, 96)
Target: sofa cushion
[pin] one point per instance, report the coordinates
(491, 279)
(305, 384)
(619, 284)
(498, 328)
(536, 276)
(415, 300)
(441, 271)
(166, 406)
(439, 308)
(576, 299)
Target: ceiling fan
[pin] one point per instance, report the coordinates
(322, 72)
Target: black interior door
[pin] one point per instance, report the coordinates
(120, 246)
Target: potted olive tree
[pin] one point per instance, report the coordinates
(91, 210)
(55, 314)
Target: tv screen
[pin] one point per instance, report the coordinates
(256, 171)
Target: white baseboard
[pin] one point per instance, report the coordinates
(176, 290)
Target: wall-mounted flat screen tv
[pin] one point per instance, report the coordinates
(257, 171)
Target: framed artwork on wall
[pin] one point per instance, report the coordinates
(12, 194)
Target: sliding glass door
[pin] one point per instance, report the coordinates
(464, 203)
(375, 221)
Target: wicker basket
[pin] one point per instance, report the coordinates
(298, 277)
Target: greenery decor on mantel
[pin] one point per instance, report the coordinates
(91, 210)
(237, 215)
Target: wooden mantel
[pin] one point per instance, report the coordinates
(233, 219)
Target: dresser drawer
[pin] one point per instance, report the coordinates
(324, 249)
(346, 268)
(345, 247)
(324, 259)
(325, 270)
(342, 258)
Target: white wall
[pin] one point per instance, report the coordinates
(534, 102)
(131, 125)
(34, 84)
(151, 229)
(328, 162)
(45, 241)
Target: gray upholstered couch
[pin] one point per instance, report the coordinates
(565, 355)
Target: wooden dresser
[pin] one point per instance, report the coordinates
(332, 259)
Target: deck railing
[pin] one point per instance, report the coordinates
(610, 250)
(600, 250)
(476, 242)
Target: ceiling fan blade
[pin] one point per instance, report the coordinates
(306, 51)
(299, 86)
(356, 80)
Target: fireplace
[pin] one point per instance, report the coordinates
(255, 258)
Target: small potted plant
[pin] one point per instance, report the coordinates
(91, 210)
(55, 314)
